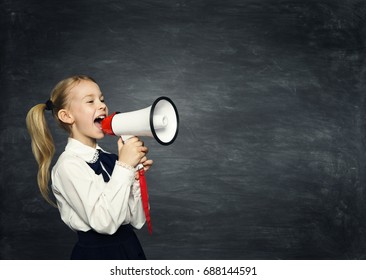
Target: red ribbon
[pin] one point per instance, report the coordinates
(145, 198)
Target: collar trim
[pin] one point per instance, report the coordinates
(83, 151)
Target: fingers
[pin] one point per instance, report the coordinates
(133, 139)
(136, 142)
(147, 164)
(119, 143)
(140, 146)
(132, 151)
(144, 149)
(143, 159)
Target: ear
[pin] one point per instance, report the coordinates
(65, 116)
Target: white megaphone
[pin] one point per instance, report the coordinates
(160, 120)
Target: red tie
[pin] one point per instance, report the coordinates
(145, 198)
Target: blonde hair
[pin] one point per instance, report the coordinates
(43, 146)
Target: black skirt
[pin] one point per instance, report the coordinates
(122, 245)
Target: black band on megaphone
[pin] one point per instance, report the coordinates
(152, 123)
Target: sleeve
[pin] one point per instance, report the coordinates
(135, 204)
(103, 206)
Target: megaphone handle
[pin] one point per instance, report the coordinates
(126, 137)
(144, 196)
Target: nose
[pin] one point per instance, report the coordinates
(102, 105)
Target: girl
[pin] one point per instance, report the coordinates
(97, 193)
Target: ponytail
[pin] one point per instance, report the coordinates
(43, 147)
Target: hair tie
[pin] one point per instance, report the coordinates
(49, 105)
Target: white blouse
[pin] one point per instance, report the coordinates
(85, 201)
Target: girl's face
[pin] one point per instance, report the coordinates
(85, 111)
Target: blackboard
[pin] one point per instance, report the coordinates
(269, 162)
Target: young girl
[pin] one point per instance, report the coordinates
(97, 193)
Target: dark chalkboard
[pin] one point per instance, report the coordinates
(269, 162)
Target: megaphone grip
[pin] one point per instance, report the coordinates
(145, 198)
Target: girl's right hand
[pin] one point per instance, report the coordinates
(132, 151)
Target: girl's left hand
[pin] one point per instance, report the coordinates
(147, 163)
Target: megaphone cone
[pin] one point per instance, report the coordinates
(160, 120)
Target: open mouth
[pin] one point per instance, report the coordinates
(98, 121)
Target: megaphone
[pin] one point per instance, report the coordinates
(160, 120)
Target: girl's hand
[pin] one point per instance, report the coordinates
(147, 163)
(132, 151)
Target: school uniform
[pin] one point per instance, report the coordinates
(100, 200)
